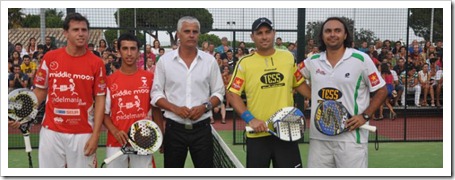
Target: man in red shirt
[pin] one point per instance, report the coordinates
(127, 101)
(73, 82)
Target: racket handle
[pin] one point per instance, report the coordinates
(28, 146)
(113, 157)
(249, 129)
(369, 127)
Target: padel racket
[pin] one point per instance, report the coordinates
(23, 108)
(144, 138)
(331, 116)
(288, 124)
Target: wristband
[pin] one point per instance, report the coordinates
(247, 116)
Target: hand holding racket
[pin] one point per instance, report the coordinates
(331, 116)
(23, 108)
(144, 138)
(288, 124)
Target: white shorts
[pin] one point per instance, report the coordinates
(59, 150)
(335, 154)
(129, 160)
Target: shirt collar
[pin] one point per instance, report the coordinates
(347, 54)
(176, 56)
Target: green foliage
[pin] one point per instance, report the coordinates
(211, 38)
(314, 28)
(163, 19)
(420, 22)
(111, 34)
(15, 18)
(54, 19)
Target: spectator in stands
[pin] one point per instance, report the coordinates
(402, 53)
(439, 48)
(38, 59)
(150, 65)
(399, 68)
(240, 53)
(28, 67)
(364, 47)
(211, 49)
(224, 47)
(91, 47)
(374, 57)
(18, 79)
(175, 46)
(383, 54)
(279, 44)
(291, 47)
(205, 46)
(398, 89)
(31, 46)
(314, 51)
(156, 47)
(115, 66)
(107, 64)
(389, 58)
(102, 46)
(114, 47)
(230, 58)
(40, 49)
(16, 58)
(411, 46)
(161, 52)
(10, 69)
(243, 46)
(218, 59)
(18, 48)
(396, 49)
(412, 84)
(378, 46)
(388, 78)
(426, 49)
(226, 75)
(148, 54)
(424, 80)
(48, 45)
(309, 46)
(387, 44)
(438, 80)
(10, 49)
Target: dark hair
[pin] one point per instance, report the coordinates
(161, 49)
(113, 56)
(116, 64)
(385, 68)
(278, 38)
(16, 65)
(40, 46)
(158, 42)
(347, 42)
(74, 17)
(18, 44)
(128, 37)
(26, 56)
(90, 45)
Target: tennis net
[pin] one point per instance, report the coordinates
(223, 157)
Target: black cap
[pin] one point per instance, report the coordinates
(261, 21)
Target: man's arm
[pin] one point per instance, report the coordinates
(121, 136)
(239, 106)
(376, 101)
(40, 94)
(304, 90)
(92, 143)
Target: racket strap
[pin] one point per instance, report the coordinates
(376, 142)
(30, 164)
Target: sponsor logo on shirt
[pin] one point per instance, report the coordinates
(67, 112)
(298, 75)
(374, 80)
(238, 82)
(272, 79)
(330, 93)
(39, 77)
(319, 71)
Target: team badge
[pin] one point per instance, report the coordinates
(237, 84)
(298, 75)
(301, 65)
(374, 79)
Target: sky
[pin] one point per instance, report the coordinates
(386, 23)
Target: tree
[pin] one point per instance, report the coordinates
(54, 19)
(15, 18)
(420, 21)
(313, 29)
(154, 19)
(211, 38)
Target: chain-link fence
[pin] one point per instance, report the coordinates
(376, 32)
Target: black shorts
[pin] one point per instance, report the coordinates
(261, 151)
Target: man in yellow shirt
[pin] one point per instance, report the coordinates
(28, 67)
(267, 77)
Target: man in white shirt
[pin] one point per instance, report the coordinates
(187, 85)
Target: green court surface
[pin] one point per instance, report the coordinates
(389, 155)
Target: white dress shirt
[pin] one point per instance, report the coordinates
(183, 86)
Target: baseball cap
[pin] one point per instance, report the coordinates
(261, 21)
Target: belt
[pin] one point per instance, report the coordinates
(200, 124)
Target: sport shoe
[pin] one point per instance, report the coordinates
(432, 105)
(418, 105)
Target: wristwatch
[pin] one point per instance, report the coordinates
(208, 106)
(366, 116)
